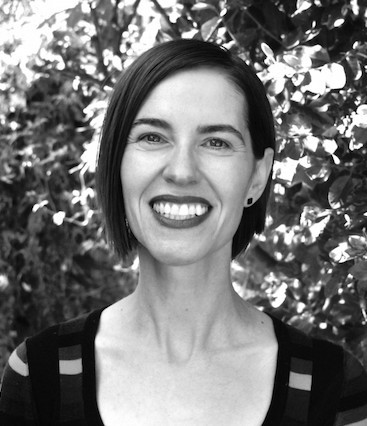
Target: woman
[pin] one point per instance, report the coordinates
(183, 177)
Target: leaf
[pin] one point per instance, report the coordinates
(209, 27)
(362, 110)
(360, 117)
(310, 34)
(58, 218)
(293, 38)
(298, 124)
(318, 118)
(340, 253)
(318, 54)
(280, 69)
(329, 145)
(362, 286)
(276, 86)
(286, 169)
(247, 37)
(335, 17)
(358, 242)
(203, 6)
(339, 191)
(317, 83)
(293, 149)
(334, 76)
(273, 18)
(302, 5)
(311, 143)
(291, 60)
(4, 282)
(360, 135)
(332, 286)
(319, 170)
(267, 50)
(75, 16)
(355, 67)
(304, 54)
(330, 132)
(359, 270)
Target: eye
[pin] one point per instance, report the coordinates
(215, 143)
(151, 138)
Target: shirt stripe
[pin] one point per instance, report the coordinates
(300, 381)
(18, 365)
(70, 367)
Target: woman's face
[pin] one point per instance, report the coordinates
(189, 167)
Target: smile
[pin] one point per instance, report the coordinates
(180, 212)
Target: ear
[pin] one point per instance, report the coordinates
(260, 177)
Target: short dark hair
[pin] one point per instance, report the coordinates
(130, 91)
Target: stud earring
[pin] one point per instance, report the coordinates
(249, 201)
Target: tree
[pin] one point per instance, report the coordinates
(309, 268)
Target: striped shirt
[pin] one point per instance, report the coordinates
(50, 380)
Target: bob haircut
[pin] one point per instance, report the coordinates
(129, 93)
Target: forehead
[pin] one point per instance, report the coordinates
(208, 93)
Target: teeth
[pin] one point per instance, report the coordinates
(184, 210)
(175, 208)
(192, 209)
(180, 211)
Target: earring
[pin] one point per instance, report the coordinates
(249, 201)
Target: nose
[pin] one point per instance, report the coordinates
(182, 168)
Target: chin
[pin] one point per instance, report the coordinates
(172, 255)
(182, 254)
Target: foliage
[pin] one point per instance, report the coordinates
(310, 267)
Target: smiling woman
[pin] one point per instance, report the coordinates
(131, 92)
(190, 149)
(183, 178)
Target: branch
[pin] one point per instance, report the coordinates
(214, 29)
(259, 24)
(115, 10)
(70, 74)
(165, 17)
(227, 22)
(131, 16)
(49, 20)
(124, 26)
(99, 48)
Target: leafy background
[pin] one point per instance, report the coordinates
(58, 64)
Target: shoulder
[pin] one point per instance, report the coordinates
(59, 348)
(16, 401)
(64, 334)
(335, 380)
(36, 364)
(352, 408)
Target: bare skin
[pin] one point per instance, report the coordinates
(184, 348)
(197, 361)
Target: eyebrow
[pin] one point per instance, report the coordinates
(156, 122)
(210, 128)
(214, 128)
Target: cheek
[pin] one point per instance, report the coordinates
(234, 181)
(136, 176)
(129, 181)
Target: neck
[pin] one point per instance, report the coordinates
(189, 308)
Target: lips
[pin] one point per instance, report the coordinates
(180, 212)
